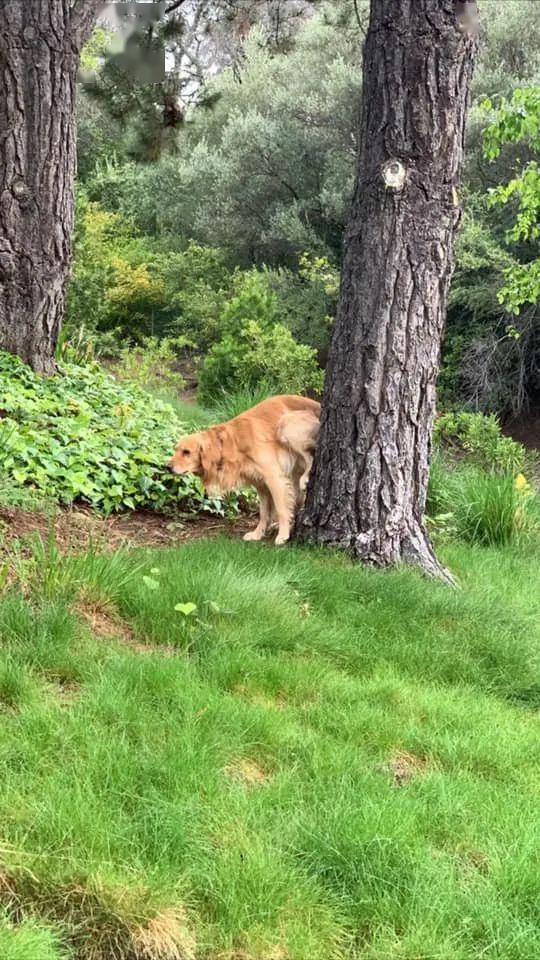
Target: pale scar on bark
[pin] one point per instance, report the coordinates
(394, 173)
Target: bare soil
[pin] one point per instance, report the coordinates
(78, 528)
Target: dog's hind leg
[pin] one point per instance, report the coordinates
(282, 494)
(265, 513)
(303, 482)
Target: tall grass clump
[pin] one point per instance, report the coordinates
(478, 486)
(233, 404)
(488, 509)
(492, 509)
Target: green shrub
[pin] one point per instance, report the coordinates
(138, 286)
(478, 437)
(151, 364)
(197, 283)
(270, 357)
(307, 300)
(253, 302)
(489, 509)
(112, 286)
(98, 234)
(81, 435)
(255, 352)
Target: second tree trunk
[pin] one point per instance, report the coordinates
(38, 63)
(367, 491)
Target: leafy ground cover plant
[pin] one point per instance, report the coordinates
(82, 435)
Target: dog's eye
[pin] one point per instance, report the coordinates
(186, 452)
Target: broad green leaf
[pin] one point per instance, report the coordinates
(150, 583)
(186, 608)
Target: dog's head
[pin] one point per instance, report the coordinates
(199, 453)
(187, 456)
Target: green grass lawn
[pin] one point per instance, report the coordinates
(320, 761)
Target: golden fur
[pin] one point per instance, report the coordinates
(269, 447)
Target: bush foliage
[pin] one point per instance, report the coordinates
(81, 435)
(479, 438)
(479, 489)
(255, 350)
(267, 174)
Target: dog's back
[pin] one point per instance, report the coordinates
(271, 410)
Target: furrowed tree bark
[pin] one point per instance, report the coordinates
(367, 489)
(40, 43)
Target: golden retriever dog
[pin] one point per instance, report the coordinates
(269, 447)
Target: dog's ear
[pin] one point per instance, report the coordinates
(210, 449)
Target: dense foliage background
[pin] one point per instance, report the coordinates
(208, 263)
(258, 184)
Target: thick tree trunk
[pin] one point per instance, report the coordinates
(40, 42)
(367, 489)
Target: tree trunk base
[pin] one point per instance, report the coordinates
(412, 548)
(44, 365)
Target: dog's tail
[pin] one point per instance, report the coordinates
(298, 431)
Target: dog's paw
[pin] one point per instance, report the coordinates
(279, 541)
(253, 535)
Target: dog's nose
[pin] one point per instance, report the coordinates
(169, 468)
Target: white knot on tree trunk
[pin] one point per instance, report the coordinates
(394, 173)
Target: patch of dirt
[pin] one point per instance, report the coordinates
(77, 528)
(246, 772)
(472, 861)
(273, 953)
(404, 767)
(105, 622)
(65, 691)
(166, 937)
